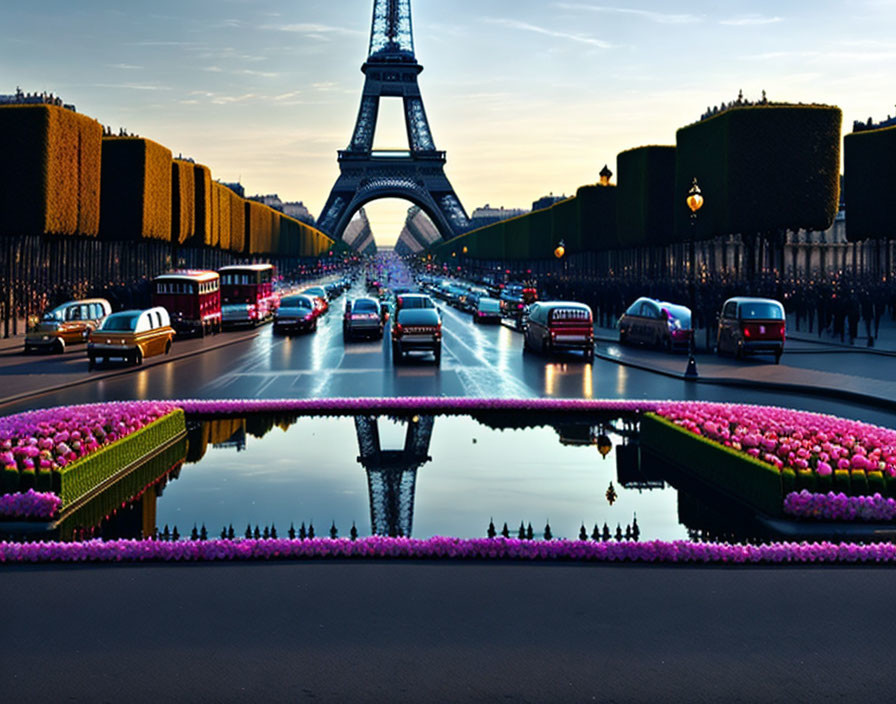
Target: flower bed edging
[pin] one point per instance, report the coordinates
(438, 548)
(752, 481)
(81, 477)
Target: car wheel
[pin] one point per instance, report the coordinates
(27, 350)
(589, 354)
(314, 326)
(91, 362)
(138, 357)
(778, 356)
(168, 347)
(396, 353)
(623, 338)
(59, 347)
(437, 352)
(739, 351)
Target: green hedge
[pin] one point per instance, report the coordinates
(597, 228)
(646, 188)
(83, 476)
(870, 184)
(93, 512)
(761, 168)
(136, 190)
(753, 482)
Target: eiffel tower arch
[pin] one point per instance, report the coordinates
(416, 174)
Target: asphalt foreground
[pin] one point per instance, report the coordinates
(446, 631)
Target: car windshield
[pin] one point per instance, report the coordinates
(55, 315)
(760, 310)
(679, 313)
(418, 316)
(364, 307)
(415, 302)
(121, 322)
(295, 302)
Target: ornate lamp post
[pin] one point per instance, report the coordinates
(695, 202)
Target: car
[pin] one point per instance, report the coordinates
(556, 326)
(658, 323)
(363, 318)
(297, 313)
(67, 324)
(487, 310)
(752, 326)
(414, 300)
(320, 293)
(470, 301)
(415, 330)
(131, 335)
(514, 301)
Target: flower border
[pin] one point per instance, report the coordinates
(441, 548)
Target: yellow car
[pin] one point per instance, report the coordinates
(67, 324)
(131, 335)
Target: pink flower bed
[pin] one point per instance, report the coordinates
(786, 438)
(839, 507)
(31, 504)
(51, 439)
(438, 548)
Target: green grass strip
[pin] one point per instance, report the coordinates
(83, 476)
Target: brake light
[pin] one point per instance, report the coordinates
(398, 328)
(747, 332)
(519, 306)
(783, 330)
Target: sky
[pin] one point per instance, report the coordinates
(527, 97)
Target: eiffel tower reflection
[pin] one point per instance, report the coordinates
(392, 474)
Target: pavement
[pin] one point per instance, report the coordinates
(810, 365)
(446, 632)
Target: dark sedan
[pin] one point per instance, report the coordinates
(363, 318)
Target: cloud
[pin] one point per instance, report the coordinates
(526, 27)
(310, 30)
(126, 67)
(131, 86)
(658, 17)
(750, 21)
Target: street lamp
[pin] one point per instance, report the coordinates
(560, 250)
(695, 202)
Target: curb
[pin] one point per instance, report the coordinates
(122, 372)
(842, 394)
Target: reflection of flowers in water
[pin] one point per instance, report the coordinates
(380, 547)
(611, 494)
(31, 504)
(839, 507)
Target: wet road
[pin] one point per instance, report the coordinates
(477, 360)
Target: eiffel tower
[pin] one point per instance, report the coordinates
(416, 174)
(392, 474)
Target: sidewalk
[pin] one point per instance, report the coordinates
(798, 371)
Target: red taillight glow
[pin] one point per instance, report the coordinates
(747, 332)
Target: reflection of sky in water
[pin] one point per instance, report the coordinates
(311, 473)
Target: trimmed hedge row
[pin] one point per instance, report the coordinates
(756, 483)
(136, 187)
(50, 178)
(58, 163)
(870, 184)
(123, 491)
(183, 201)
(761, 168)
(83, 476)
(646, 188)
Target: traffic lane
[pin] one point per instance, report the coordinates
(451, 631)
(482, 361)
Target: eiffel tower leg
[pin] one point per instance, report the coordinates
(418, 436)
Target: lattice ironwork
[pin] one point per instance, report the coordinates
(419, 133)
(362, 139)
(391, 36)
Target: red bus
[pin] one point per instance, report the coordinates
(247, 292)
(192, 299)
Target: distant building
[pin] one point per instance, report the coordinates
(419, 228)
(235, 187)
(858, 126)
(547, 201)
(358, 232)
(296, 209)
(272, 201)
(21, 98)
(487, 215)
